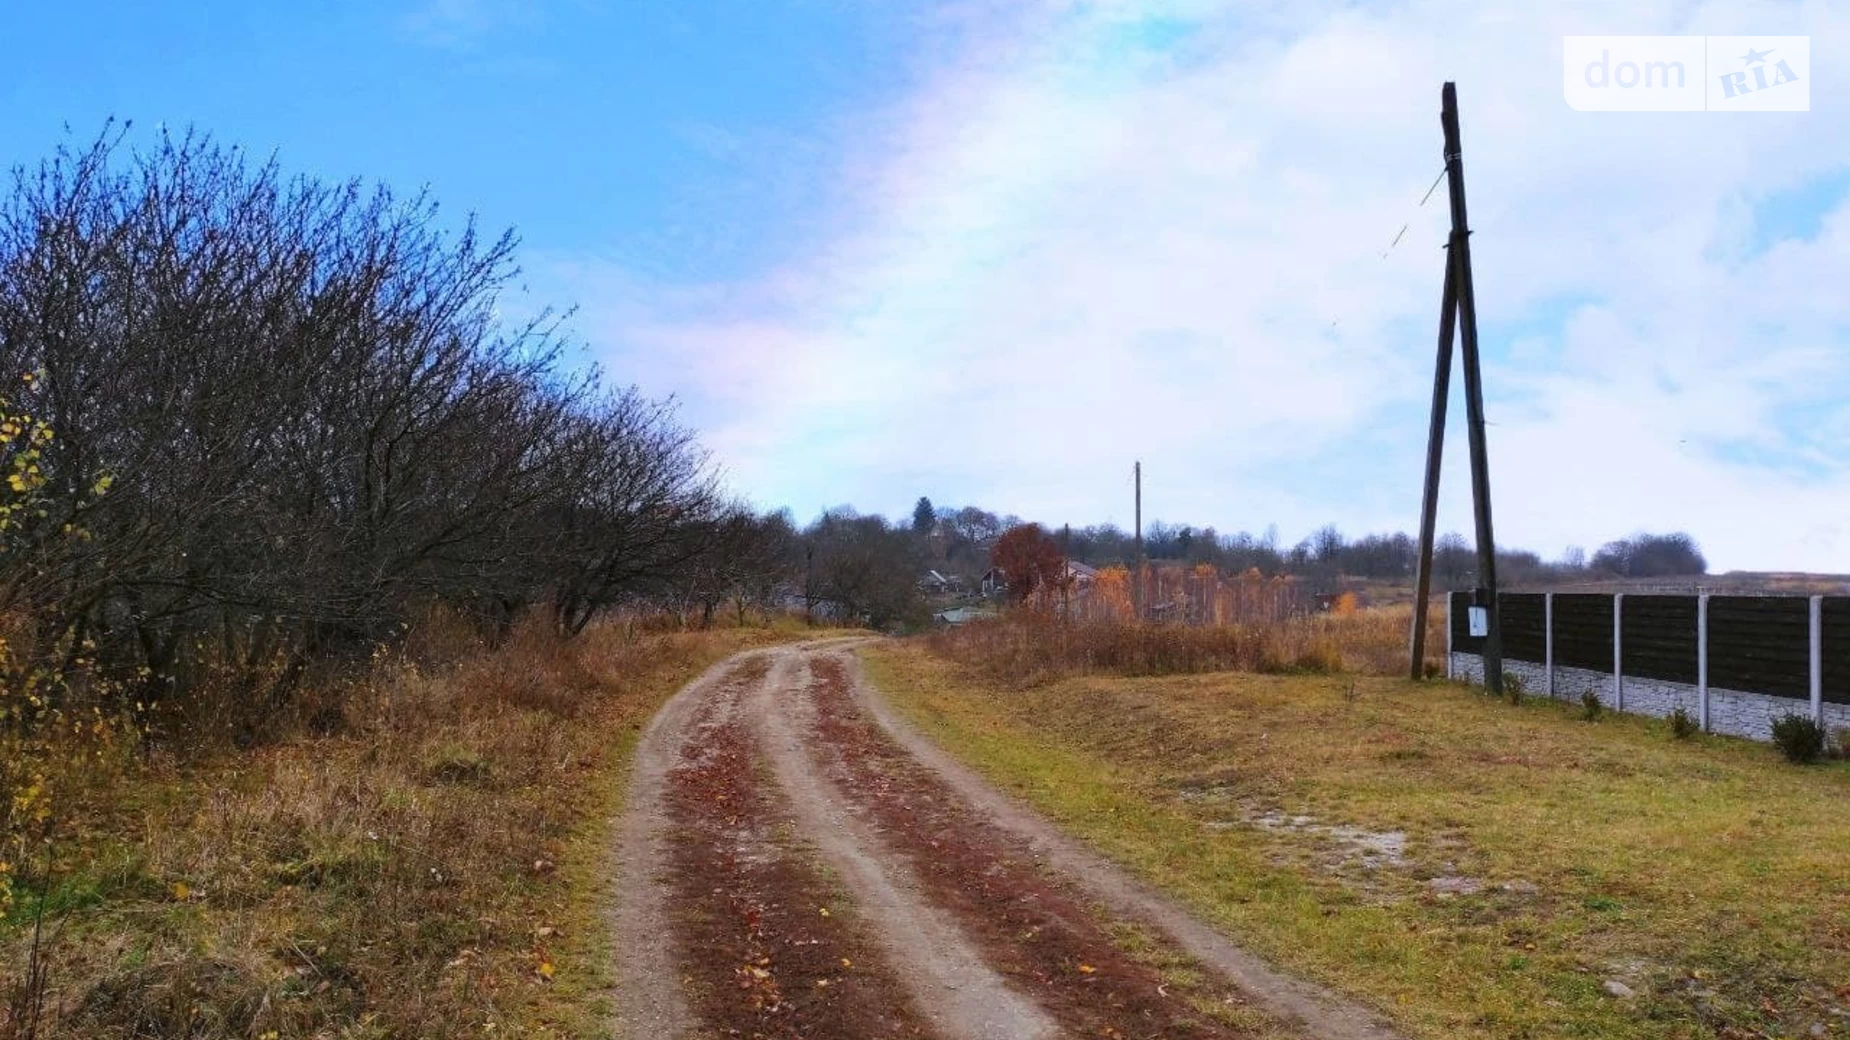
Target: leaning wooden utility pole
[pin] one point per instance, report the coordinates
(1137, 579)
(1435, 453)
(1460, 298)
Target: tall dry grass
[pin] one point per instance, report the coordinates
(1029, 647)
(412, 863)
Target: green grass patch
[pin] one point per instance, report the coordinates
(1473, 868)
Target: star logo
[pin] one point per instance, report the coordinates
(1754, 57)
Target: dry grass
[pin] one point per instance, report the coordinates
(432, 867)
(1025, 648)
(1706, 874)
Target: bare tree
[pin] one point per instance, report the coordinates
(285, 415)
(863, 568)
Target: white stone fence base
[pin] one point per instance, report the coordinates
(1739, 713)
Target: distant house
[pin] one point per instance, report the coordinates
(993, 582)
(960, 615)
(935, 582)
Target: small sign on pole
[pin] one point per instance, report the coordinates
(1479, 618)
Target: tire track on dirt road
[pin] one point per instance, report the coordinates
(1042, 932)
(767, 947)
(1315, 1011)
(949, 980)
(779, 783)
(649, 998)
(708, 940)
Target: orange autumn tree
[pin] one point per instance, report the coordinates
(1030, 559)
(1110, 598)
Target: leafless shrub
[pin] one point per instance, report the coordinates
(286, 417)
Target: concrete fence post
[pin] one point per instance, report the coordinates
(1817, 659)
(1702, 660)
(1618, 651)
(1548, 639)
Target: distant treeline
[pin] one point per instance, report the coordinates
(963, 535)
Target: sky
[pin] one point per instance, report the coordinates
(996, 251)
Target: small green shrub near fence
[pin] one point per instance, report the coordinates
(1799, 737)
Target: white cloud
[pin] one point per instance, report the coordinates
(461, 24)
(1070, 250)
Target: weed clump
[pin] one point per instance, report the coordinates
(1320, 658)
(1513, 689)
(1591, 707)
(1682, 724)
(1799, 738)
(455, 764)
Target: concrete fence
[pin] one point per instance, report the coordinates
(1734, 663)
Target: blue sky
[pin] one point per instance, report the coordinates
(995, 251)
(590, 126)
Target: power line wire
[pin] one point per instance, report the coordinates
(1402, 233)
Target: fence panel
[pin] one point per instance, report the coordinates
(1583, 630)
(1659, 633)
(1836, 638)
(1525, 632)
(1761, 644)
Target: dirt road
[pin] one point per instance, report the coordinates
(797, 862)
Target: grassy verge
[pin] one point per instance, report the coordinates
(1474, 868)
(435, 867)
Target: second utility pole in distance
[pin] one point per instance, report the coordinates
(1137, 579)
